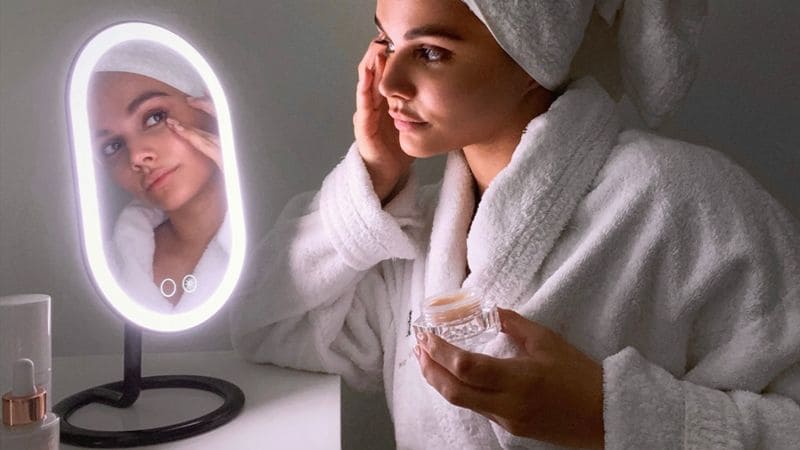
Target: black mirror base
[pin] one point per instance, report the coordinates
(109, 394)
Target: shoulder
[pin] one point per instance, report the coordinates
(647, 159)
(678, 188)
(676, 173)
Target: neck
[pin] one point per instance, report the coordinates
(487, 159)
(196, 222)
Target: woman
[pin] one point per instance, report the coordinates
(159, 144)
(649, 287)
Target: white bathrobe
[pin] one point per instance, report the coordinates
(131, 253)
(662, 260)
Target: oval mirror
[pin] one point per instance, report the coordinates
(158, 186)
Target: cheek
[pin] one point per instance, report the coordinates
(126, 179)
(168, 147)
(461, 98)
(199, 167)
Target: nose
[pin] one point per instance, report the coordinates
(396, 81)
(141, 153)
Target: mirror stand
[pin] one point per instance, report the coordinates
(123, 394)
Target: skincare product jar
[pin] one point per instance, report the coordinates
(459, 317)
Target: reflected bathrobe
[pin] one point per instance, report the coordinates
(663, 261)
(131, 253)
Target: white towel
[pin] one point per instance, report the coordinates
(155, 61)
(654, 44)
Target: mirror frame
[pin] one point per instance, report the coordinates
(92, 237)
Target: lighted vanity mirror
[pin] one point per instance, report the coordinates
(160, 209)
(155, 165)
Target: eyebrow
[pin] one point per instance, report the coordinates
(426, 30)
(133, 105)
(143, 97)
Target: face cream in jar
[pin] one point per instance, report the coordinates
(459, 317)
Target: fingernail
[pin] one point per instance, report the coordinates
(175, 124)
(424, 338)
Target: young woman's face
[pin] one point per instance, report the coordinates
(446, 79)
(131, 139)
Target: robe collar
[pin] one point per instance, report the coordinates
(526, 206)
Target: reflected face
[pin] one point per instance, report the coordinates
(132, 141)
(446, 79)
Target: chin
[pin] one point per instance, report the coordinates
(421, 150)
(169, 204)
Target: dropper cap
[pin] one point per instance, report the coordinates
(25, 403)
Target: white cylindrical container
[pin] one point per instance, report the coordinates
(25, 333)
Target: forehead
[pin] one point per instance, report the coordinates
(113, 90)
(107, 86)
(398, 16)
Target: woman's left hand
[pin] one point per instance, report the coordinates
(552, 393)
(203, 141)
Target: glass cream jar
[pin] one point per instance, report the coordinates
(459, 317)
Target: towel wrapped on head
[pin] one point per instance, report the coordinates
(156, 61)
(646, 49)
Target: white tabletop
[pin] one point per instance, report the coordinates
(283, 408)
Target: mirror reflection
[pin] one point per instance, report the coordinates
(158, 163)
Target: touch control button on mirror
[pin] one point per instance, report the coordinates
(168, 287)
(189, 283)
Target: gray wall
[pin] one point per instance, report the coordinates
(289, 71)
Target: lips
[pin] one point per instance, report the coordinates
(157, 177)
(407, 122)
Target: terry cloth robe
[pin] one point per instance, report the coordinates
(661, 260)
(131, 258)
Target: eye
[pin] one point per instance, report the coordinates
(155, 118)
(432, 54)
(110, 149)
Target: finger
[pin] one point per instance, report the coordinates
(367, 59)
(512, 323)
(364, 89)
(380, 64)
(203, 104)
(528, 334)
(195, 136)
(205, 142)
(451, 388)
(474, 369)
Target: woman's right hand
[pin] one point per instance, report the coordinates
(377, 139)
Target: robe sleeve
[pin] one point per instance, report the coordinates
(677, 413)
(694, 273)
(723, 265)
(319, 286)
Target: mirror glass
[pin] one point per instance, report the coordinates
(157, 180)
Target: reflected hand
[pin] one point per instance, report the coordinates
(553, 392)
(203, 141)
(377, 139)
(203, 103)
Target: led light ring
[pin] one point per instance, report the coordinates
(87, 186)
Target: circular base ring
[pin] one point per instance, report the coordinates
(70, 434)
